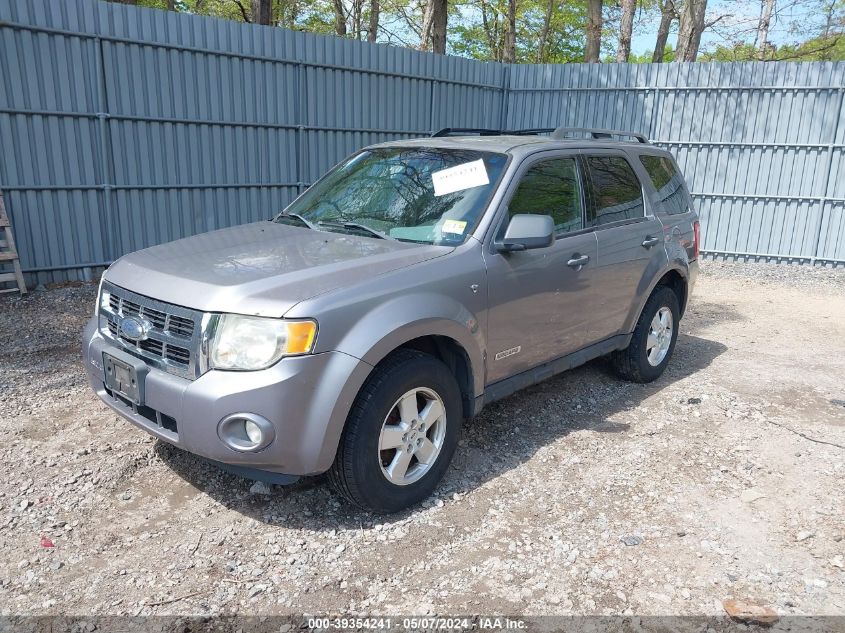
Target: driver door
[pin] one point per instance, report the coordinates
(539, 300)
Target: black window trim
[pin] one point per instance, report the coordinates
(647, 212)
(527, 163)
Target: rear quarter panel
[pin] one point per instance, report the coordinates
(678, 227)
(678, 234)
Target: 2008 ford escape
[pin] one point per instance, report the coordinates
(413, 284)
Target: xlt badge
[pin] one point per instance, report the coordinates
(508, 352)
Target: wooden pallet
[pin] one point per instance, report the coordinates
(8, 254)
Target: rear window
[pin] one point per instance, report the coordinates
(615, 191)
(668, 182)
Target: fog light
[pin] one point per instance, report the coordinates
(253, 432)
(246, 432)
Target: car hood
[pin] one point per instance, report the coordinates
(262, 268)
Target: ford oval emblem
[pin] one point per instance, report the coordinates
(134, 328)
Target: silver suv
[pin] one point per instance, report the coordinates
(413, 284)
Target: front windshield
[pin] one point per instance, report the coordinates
(421, 194)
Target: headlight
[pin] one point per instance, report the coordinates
(103, 297)
(248, 343)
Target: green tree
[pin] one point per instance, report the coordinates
(648, 56)
(546, 32)
(817, 49)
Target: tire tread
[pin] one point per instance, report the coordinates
(340, 475)
(628, 362)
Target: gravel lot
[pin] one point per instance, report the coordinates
(580, 495)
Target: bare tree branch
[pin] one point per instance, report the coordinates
(244, 12)
(393, 36)
(409, 20)
(797, 54)
(707, 25)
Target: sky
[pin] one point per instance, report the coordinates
(740, 16)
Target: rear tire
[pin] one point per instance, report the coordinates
(653, 340)
(400, 435)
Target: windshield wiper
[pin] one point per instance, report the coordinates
(355, 225)
(297, 217)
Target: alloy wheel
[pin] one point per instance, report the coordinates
(412, 436)
(659, 336)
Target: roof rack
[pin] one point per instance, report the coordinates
(481, 131)
(454, 131)
(529, 131)
(558, 133)
(563, 132)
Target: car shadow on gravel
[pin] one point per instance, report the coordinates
(505, 435)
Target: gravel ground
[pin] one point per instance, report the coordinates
(582, 495)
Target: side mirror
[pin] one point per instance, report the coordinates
(527, 231)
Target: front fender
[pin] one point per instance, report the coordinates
(395, 322)
(386, 326)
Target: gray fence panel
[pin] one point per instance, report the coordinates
(124, 127)
(832, 234)
(760, 143)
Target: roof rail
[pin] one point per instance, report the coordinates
(529, 131)
(562, 132)
(452, 131)
(558, 133)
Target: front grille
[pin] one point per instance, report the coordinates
(180, 326)
(177, 354)
(153, 346)
(172, 340)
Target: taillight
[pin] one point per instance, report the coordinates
(696, 246)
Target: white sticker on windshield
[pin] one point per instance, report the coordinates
(454, 226)
(460, 177)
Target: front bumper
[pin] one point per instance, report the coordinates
(306, 398)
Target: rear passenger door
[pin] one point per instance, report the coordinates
(629, 235)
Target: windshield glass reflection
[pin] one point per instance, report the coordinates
(424, 195)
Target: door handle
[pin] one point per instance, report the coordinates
(578, 261)
(650, 241)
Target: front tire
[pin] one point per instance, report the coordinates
(400, 435)
(653, 341)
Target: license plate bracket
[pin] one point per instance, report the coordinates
(123, 378)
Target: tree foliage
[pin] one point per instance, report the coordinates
(556, 31)
(482, 32)
(821, 40)
(817, 49)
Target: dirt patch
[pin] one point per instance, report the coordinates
(583, 494)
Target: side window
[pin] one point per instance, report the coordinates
(615, 191)
(668, 182)
(551, 187)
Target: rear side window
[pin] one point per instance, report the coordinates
(615, 191)
(551, 187)
(668, 182)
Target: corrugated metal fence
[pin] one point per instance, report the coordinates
(761, 144)
(123, 127)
